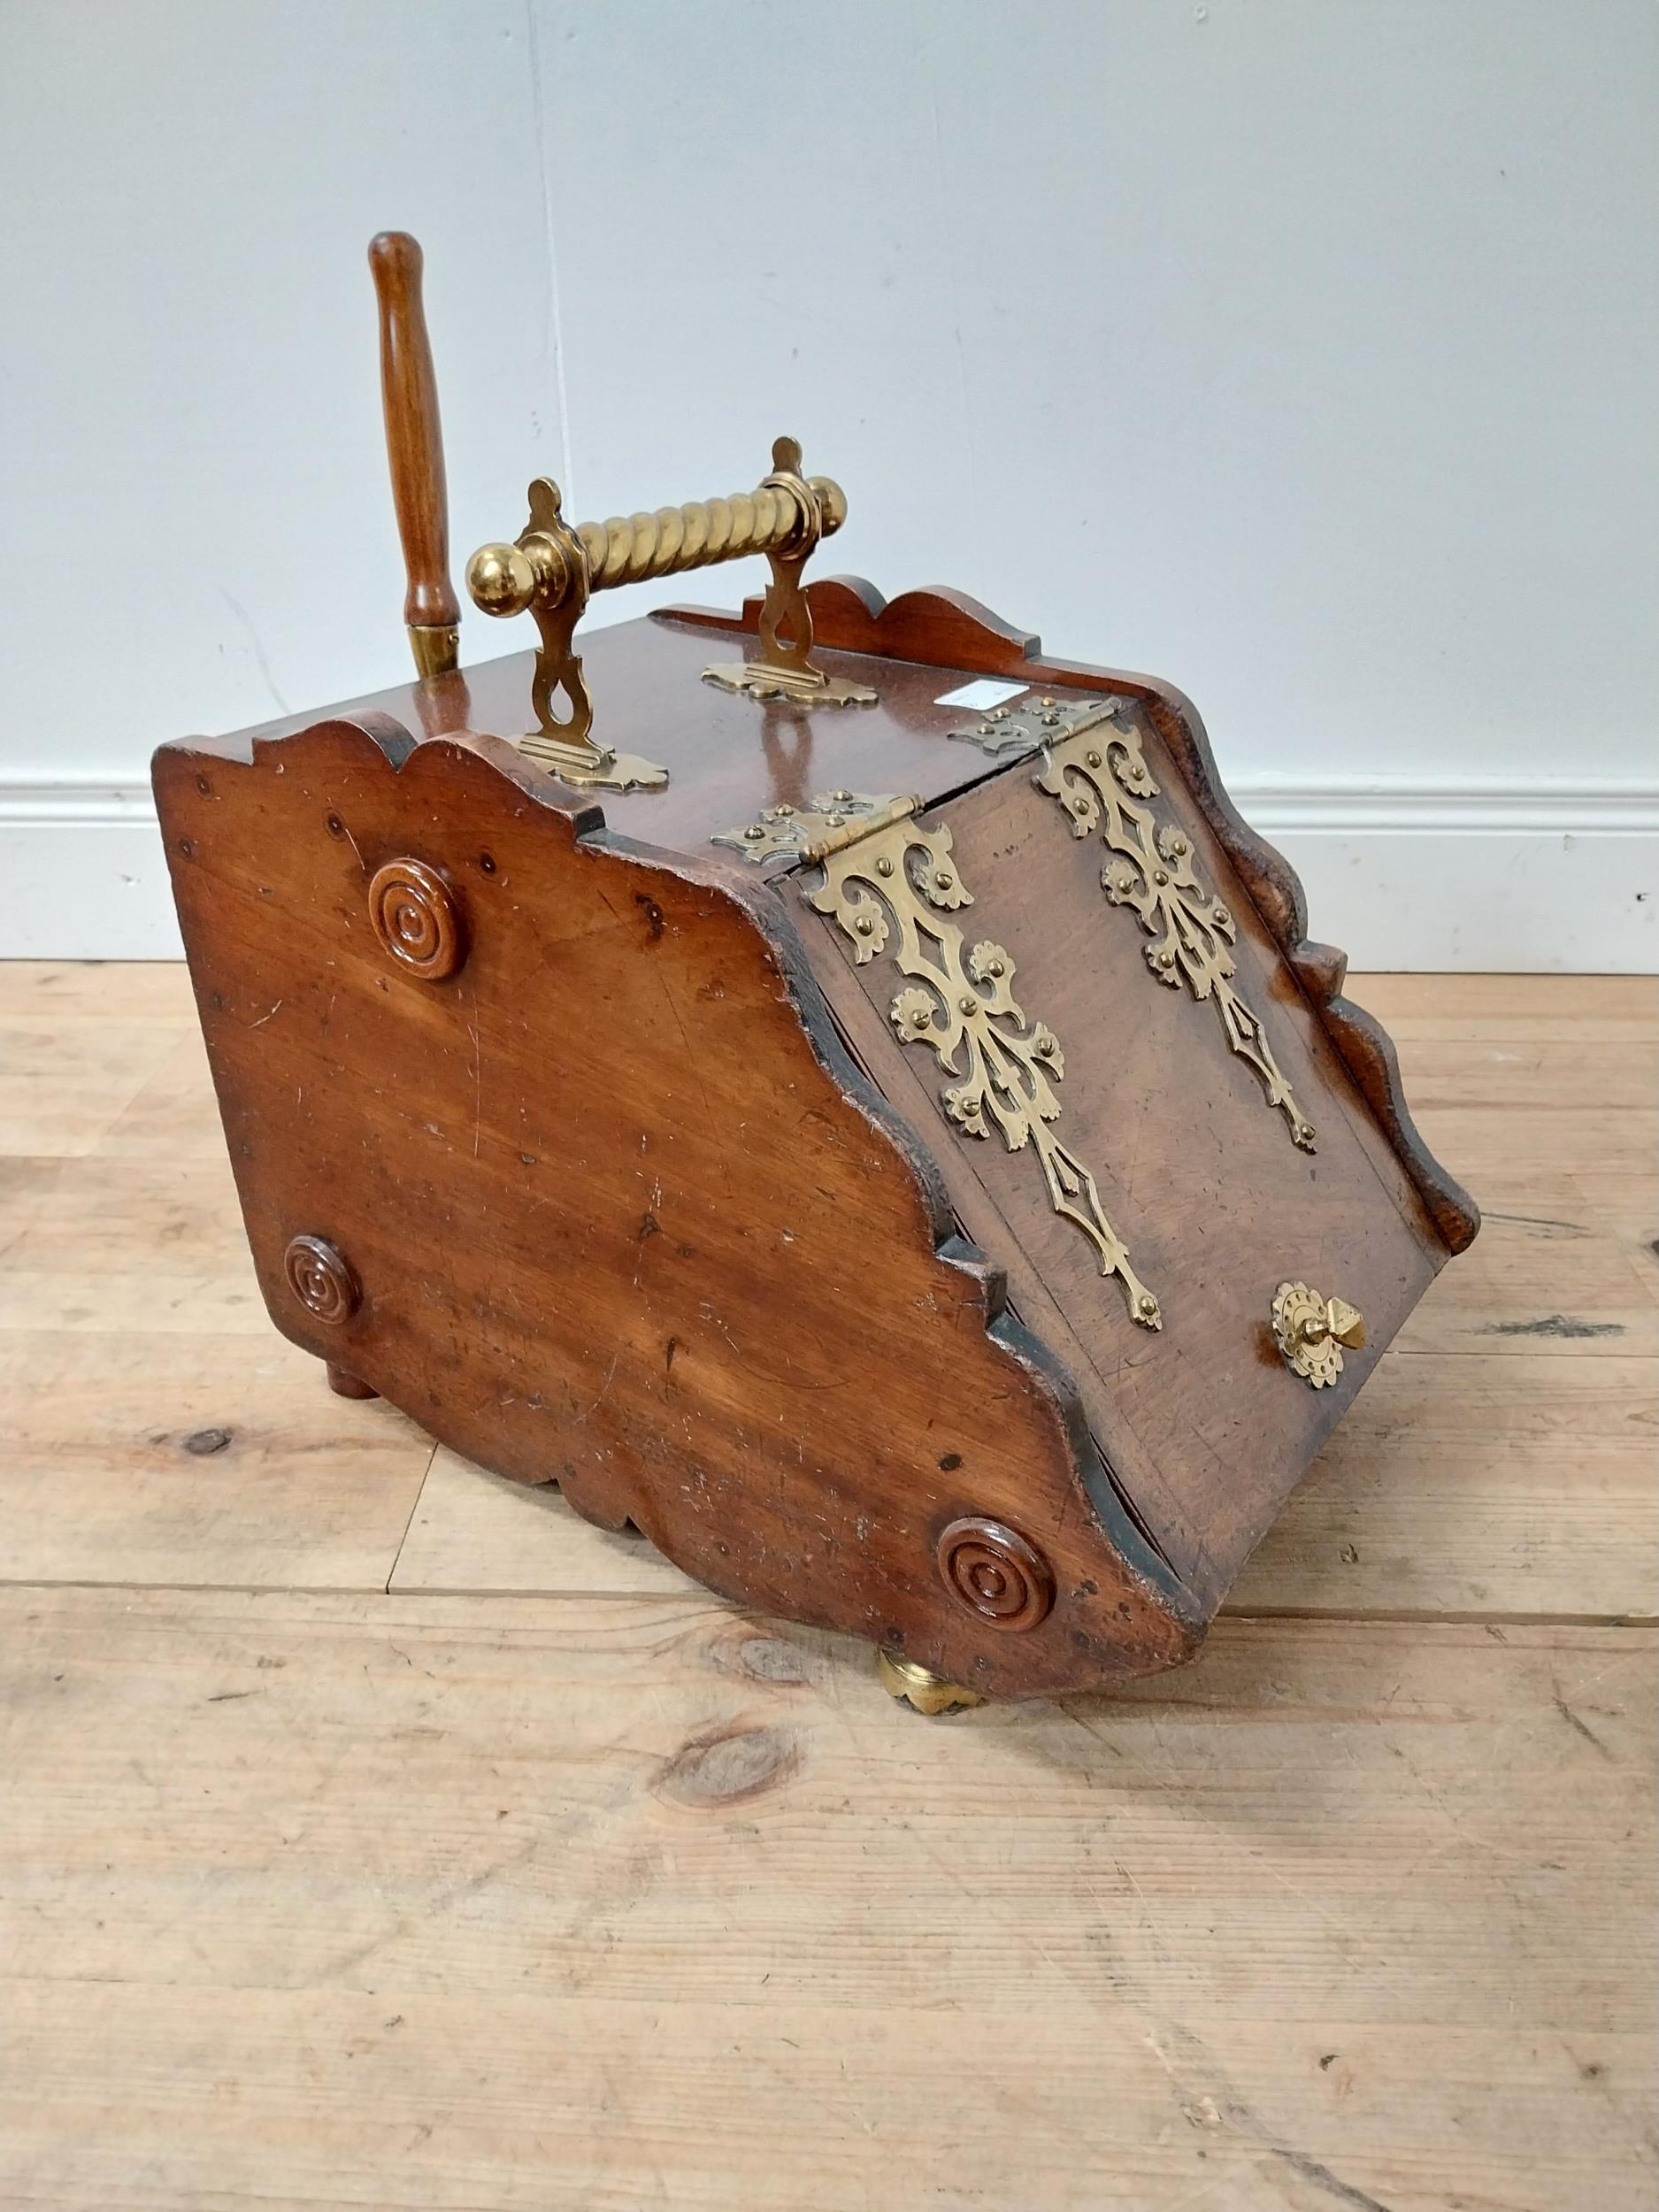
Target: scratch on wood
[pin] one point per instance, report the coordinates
(1582, 1726)
(1554, 1324)
(1321, 2176)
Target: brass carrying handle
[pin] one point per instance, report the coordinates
(414, 448)
(553, 564)
(551, 568)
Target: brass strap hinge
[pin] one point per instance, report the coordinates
(834, 820)
(893, 891)
(1005, 734)
(890, 886)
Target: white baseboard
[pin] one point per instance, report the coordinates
(82, 874)
(1473, 876)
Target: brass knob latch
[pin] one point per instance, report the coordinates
(1310, 1331)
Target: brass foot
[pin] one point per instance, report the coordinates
(920, 1686)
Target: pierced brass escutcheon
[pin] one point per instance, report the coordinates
(1310, 1331)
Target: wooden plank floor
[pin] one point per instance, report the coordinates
(373, 1833)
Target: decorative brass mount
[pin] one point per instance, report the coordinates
(1098, 772)
(962, 1006)
(552, 570)
(1310, 1331)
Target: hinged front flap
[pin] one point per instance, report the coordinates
(1152, 1101)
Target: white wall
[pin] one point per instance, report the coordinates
(1301, 350)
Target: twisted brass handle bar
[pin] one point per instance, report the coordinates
(768, 520)
(544, 568)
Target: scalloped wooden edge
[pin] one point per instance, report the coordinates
(947, 629)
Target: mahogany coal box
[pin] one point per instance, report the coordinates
(910, 1164)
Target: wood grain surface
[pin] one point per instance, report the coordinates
(548, 1881)
(608, 1204)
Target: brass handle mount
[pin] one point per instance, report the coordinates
(1310, 1331)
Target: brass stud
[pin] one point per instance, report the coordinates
(864, 925)
(1093, 759)
(943, 879)
(884, 866)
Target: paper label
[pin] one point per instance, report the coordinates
(983, 692)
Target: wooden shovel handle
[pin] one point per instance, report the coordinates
(414, 441)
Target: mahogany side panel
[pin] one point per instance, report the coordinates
(611, 1206)
(948, 628)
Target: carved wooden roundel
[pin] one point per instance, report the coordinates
(322, 1279)
(415, 918)
(991, 1570)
